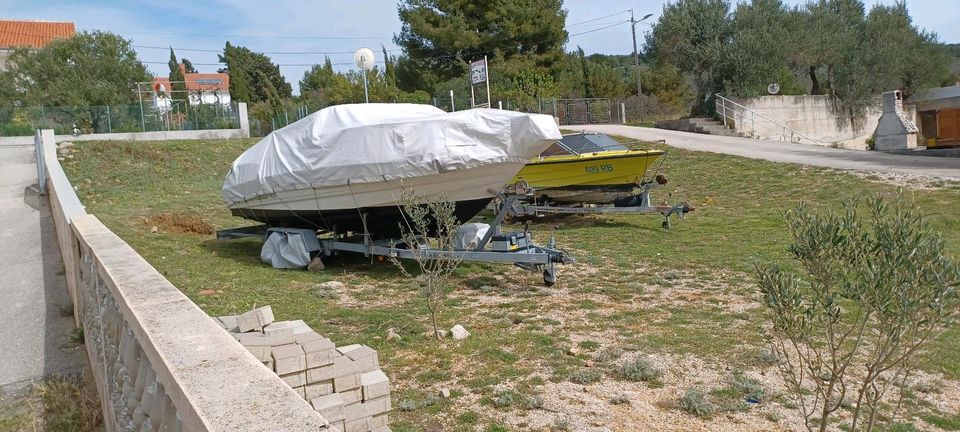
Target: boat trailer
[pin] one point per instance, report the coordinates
(638, 203)
(515, 248)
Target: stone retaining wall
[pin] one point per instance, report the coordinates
(159, 362)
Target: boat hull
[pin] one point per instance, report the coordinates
(589, 178)
(381, 222)
(339, 208)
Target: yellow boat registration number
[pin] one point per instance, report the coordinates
(597, 169)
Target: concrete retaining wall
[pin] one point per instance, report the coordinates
(814, 116)
(159, 362)
(138, 136)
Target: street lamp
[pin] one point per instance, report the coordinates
(636, 58)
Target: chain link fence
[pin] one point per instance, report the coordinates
(23, 121)
(633, 110)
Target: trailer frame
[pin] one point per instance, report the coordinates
(521, 209)
(528, 255)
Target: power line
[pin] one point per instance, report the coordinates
(421, 58)
(207, 50)
(264, 36)
(280, 65)
(597, 19)
(345, 52)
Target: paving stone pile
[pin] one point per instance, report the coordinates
(344, 384)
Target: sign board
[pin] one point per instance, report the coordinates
(478, 71)
(479, 74)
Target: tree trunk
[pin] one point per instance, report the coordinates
(94, 120)
(436, 330)
(698, 104)
(815, 89)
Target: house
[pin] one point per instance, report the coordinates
(33, 34)
(938, 114)
(202, 88)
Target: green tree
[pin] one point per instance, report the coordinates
(412, 75)
(608, 81)
(444, 35)
(694, 36)
(873, 293)
(318, 77)
(85, 71)
(188, 65)
(322, 86)
(585, 74)
(252, 74)
(178, 88)
(668, 84)
(899, 54)
(763, 34)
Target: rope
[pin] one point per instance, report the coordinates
(294, 212)
(356, 205)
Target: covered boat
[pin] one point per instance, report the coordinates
(344, 168)
(587, 168)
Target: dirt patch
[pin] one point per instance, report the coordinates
(909, 181)
(179, 223)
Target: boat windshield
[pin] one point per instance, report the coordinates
(581, 143)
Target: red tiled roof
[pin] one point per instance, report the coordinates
(34, 34)
(198, 81)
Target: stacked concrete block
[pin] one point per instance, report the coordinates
(344, 384)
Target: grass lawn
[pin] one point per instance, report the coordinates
(636, 287)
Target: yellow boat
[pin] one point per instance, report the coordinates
(587, 168)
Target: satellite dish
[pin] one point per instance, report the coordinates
(773, 88)
(363, 58)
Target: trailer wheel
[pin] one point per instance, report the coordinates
(549, 277)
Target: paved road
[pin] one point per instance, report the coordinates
(943, 167)
(34, 337)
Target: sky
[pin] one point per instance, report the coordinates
(296, 34)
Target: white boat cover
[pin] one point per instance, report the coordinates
(364, 143)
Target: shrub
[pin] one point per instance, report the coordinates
(695, 402)
(640, 370)
(503, 398)
(608, 354)
(884, 281)
(749, 388)
(585, 376)
(620, 399)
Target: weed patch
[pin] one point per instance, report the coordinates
(695, 402)
(640, 369)
(585, 376)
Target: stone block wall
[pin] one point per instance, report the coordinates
(344, 384)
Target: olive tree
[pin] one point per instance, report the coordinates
(428, 231)
(874, 290)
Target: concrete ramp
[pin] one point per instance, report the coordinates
(34, 334)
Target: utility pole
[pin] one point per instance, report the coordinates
(636, 57)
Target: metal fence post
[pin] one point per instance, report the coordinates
(143, 123)
(109, 123)
(41, 168)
